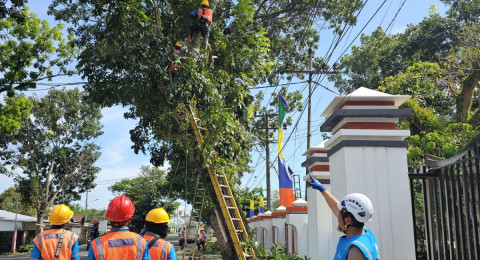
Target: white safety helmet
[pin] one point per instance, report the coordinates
(359, 205)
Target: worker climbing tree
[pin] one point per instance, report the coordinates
(175, 64)
(202, 20)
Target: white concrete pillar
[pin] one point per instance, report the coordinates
(368, 155)
(320, 244)
(297, 222)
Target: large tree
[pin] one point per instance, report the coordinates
(52, 156)
(128, 45)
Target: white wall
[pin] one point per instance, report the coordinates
(298, 224)
(6, 225)
(320, 226)
(279, 223)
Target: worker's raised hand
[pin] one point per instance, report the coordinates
(317, 185)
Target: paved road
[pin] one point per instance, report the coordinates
(83, 250)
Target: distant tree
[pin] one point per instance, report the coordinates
(98, 214)
(54, 150)
(12, 113)
(8, 202)
(275, 200)
(147, 191)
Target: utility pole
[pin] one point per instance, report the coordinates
(86, 206)
(310, 74)
(309, 99)
(267, 159)
(267, 117)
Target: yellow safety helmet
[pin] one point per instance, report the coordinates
(158, 215)
(178, 44)
(60, 215)
(205, 2)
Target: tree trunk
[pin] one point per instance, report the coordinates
(39, 227)
(225, 247)
(464, 100)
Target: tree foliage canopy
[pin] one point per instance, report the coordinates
(437, 63)
(31, 51)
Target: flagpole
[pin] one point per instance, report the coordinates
(267, 142)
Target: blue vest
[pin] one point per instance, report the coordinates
(365, 242)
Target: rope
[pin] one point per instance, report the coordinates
(171, 183)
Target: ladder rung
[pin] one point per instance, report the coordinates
(239, 231)
(220, 175)
(223, 186)
(229, 207)
(226, 196)
(198, 202)
(236, 219)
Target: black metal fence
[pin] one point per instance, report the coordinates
(445, 201)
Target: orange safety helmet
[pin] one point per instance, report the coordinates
(120, 209)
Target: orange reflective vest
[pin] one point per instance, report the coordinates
(174, 66)
(204, 236)
(47, 243)
(159, 250)
(119, 245)
(182, 234)
(206, 13)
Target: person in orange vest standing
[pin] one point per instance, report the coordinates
(156, 225)
(57, 242)
(119, 243)
(181, 241)
(203, 238)
(203, 18)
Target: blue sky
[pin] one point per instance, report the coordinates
(119, 161)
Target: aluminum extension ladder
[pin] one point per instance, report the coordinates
(233, 219)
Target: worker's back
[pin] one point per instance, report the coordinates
(119, 244)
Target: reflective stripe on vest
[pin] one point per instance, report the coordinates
(159, 250)
(39, 239)
(164, 250)
(139, 247)
(109, 245)
(48, 241)
(70, 243)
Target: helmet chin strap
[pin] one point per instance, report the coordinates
(345, 226)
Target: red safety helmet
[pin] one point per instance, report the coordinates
(95, 221)
(120, 209)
